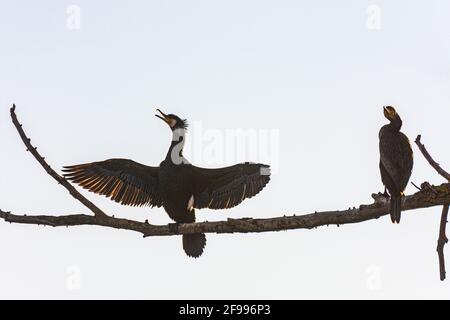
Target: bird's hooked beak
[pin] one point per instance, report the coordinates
(389, 112)
(163, 116)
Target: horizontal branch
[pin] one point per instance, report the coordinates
(429, 196)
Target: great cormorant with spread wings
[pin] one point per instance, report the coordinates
(176, 185)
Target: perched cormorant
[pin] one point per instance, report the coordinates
(176, 185)
(396, 161)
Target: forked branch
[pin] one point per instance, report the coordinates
(428, 196)
(442, 240)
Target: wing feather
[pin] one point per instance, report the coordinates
(124, 181)
(227, 187)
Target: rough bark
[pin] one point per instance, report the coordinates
(430, 196)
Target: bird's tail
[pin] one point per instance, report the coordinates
(396, 208)
(193, 244)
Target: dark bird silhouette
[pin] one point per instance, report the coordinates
(396, 161)
(176, 185)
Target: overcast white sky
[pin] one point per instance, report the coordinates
(307, 78)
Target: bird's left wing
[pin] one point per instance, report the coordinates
(227, 187)
(122, 180)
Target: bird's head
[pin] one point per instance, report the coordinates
(173, 121)
(390, 113)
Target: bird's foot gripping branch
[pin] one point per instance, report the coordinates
(427, 196)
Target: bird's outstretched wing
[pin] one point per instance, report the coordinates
(227, 187)
(397, 160)
(124, 181)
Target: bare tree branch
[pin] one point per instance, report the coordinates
(429, 197)
(430, 160)
(50, 171)
(442, 240)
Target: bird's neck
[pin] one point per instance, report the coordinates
(395, 124)
(175, 153)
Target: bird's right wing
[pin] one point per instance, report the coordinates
(124, 181)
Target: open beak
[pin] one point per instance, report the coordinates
(163, 116)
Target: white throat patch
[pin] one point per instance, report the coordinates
(191, 202)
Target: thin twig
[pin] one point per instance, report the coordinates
(416, 186)
(430, 160)
(442, 241)
(33, 150)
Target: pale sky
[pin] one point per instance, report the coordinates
(307, 79)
